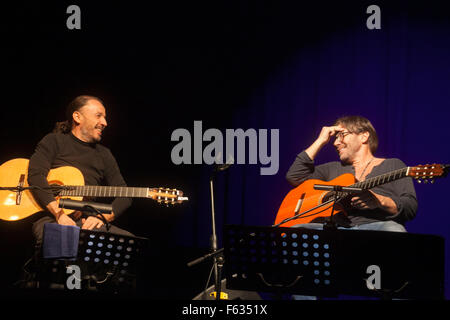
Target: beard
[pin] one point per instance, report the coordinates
(345, 155)
(89, 133)
(345, 161)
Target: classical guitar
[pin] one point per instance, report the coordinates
(305, 197)
(66, 182)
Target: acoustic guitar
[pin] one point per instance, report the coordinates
(66, 182)
(304, 197)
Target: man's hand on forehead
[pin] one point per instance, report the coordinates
(336, 129)
(324, 137)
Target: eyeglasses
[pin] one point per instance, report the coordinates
(341, 135)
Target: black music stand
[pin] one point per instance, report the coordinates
(326, 263)
(280, 260)
(108, 262)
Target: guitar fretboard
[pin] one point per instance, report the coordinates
(381, 179)
(104, 191)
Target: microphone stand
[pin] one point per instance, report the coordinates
(302, 213)
(216, 254)
(91, 208)
(331, 224)
(206, 256)
(217, 259)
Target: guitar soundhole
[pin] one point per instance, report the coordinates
(328, 196)
(55, 183)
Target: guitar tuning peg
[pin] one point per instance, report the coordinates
(432, 181)
(425, 181)
(419, 181)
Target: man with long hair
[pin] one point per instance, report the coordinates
(75, 142)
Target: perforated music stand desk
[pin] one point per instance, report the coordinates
(331, 262)
(109, 257)
(107, 251)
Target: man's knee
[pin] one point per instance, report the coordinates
(391, 226)
(312, 226)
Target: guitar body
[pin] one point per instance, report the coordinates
(312, 199)
(10, 175)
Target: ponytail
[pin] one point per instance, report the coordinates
(62, 127)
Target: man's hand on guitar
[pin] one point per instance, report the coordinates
(65, 220)
(372, 200)
(365, 200)
(91, 223)
(60, 217)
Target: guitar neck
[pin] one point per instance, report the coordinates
(382, 179)
(104, 191)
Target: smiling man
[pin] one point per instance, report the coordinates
(75, 142)
(386, 207)
(89, 121)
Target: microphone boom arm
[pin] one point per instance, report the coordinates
(98, 208)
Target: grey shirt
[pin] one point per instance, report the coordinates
(401, 191)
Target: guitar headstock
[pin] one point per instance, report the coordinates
(428, 172)
(166, 196)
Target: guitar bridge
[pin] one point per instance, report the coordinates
(19, 191)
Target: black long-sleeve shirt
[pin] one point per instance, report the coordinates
(401, 191)
(95, 161)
